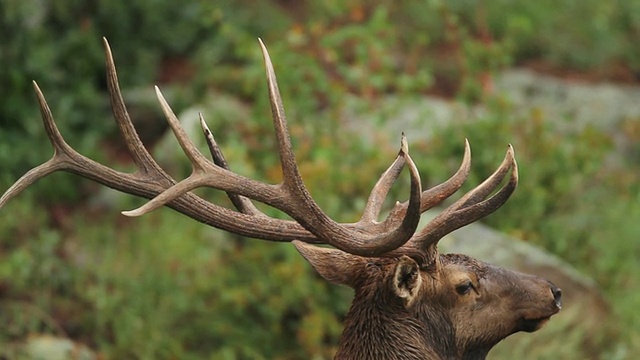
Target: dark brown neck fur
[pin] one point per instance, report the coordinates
(378, 329)
(378, 326)
(375, 329)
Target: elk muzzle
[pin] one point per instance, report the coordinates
(538, 315)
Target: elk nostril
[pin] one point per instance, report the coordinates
(557, 295)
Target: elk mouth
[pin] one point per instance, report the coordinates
(532, 324)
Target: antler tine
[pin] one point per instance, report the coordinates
(290, 171)
(29, 178)
(381, 189)
(243, 204)
(440, 192)
(64, 157)
(141, 157)
(198, 161)
(489, 185)
(472, 206)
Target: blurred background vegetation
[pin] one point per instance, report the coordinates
(164, 287)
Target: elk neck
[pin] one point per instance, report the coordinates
(378, 326)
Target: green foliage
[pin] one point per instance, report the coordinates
(558, 166)
(58, 44)
(166, 287)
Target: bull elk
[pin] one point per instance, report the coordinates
(410, 301)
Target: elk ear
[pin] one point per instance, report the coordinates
(407, 280)
(334, 265)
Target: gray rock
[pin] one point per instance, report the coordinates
(48, 347)
(573, 104)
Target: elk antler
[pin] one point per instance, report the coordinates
(291, 196)
(367, 237)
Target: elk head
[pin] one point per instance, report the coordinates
(410, 302)
(455, 308)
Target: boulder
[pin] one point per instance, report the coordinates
(48, 347)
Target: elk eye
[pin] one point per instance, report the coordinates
(464, 288)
